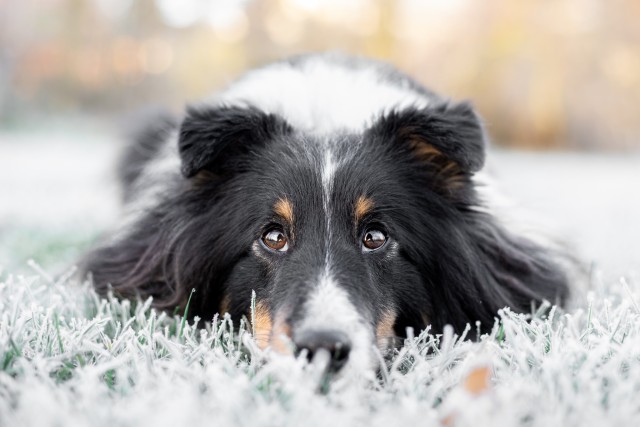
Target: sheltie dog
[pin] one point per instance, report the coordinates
(340, 191)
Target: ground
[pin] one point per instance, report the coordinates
(68, 358)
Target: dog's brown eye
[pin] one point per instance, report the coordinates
(275, 239)
(373, 239)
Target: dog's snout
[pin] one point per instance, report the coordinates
(334, 342)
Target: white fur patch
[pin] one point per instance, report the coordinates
(329, 307)
(508, 213)
(329, 167)
(151, 186)
(321, 95)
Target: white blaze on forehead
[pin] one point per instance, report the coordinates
(328, 172)
(328, 306)
(329, 167)
(319, 94)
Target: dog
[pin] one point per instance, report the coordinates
(341, 192)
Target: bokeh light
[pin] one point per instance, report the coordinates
(562, 73)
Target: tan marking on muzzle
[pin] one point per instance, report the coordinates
(281, 335)
(363, 206)
(284, 208)
(263, 325)
(275, 334)
(384, 329)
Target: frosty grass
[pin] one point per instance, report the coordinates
(69, 358)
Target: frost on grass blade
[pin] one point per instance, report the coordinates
(82, 360)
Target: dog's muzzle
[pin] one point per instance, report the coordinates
(336, 344)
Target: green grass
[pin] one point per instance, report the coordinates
(83, 360)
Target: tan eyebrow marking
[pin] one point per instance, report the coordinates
(384, 329)
(263, 325)
(284, 208)
(364, 205)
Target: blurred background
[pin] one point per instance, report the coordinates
(558, 78)
(544, 73)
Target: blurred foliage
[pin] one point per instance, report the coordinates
(544, 73)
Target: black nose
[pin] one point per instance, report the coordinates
(336, 343)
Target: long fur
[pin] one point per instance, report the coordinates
(448, 260)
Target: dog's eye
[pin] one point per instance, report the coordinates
(275, 240)
(373, 239)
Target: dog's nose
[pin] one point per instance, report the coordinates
(336, 343)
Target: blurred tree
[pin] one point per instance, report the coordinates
(544, 73)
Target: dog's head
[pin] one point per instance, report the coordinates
(346, 238)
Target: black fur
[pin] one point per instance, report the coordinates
(453, 129)
(453, 263)
(215, 139)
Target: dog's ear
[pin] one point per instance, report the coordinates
(449, 138)
(212, 137)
